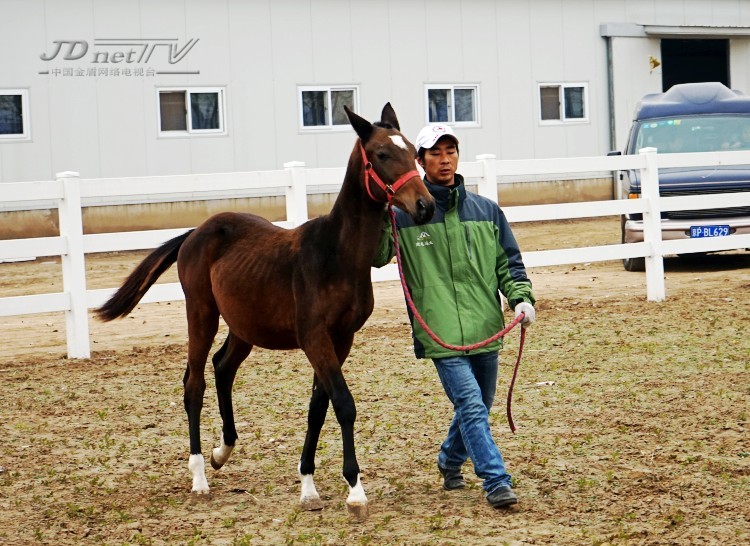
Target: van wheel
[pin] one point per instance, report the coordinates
(634, 264)
(631, 264)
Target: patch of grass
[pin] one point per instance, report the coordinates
(75, 511)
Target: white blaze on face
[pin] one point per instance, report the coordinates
(399, 141)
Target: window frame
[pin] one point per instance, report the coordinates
(564, 120)
(189, 131)
(25, 115)
(330, 127)
(452, 88)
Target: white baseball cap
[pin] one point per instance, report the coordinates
(430, 134)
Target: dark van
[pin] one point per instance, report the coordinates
(691, 117)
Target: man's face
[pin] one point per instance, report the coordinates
(440, 162)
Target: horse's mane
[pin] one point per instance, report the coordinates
(383, 124)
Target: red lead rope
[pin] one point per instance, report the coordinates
(439, 341)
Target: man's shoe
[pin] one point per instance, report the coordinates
(452, 479)
(502, 497)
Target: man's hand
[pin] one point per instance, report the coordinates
(529, 314)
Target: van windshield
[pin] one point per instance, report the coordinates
(708, 133)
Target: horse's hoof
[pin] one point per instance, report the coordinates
(220, 455)
(200, 489)
(311, 503)
(214, 464)
(358, 510)
(201, 493)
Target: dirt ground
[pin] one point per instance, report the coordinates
(633, 420)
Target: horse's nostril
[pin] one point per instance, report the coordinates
(425, 210)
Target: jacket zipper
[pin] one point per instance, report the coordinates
(468, 239)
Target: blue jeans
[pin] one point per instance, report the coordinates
(470, 382)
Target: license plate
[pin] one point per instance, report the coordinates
(708, 231)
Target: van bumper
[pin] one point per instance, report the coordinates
(680, 229)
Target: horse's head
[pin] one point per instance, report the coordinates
(388, 159)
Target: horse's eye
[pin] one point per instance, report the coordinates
(382, 156)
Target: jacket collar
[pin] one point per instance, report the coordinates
(445, 196)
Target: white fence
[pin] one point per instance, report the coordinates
(72, 245)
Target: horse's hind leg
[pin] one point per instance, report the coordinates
(316, 415)
(227, 361)
(203, 323)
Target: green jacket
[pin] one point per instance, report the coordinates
(454, 266)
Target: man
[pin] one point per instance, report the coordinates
(740, 142)
(454, 267)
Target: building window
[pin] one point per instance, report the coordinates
(323, 107)
(563, 103)
(191, 111)
(454, 104)
(14, 114)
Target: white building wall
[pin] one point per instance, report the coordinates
(739, 64)
(633, 77)
(260, 51)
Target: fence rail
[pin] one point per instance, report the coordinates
(295, 180)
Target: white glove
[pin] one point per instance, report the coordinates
(528, 310)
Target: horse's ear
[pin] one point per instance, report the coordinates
(389, 116)
(361, 126)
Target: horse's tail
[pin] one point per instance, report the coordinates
(141, 279)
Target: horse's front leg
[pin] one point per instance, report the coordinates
(346, 413)
(316, 415)
(326, 364)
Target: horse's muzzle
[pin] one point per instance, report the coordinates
(425, 210)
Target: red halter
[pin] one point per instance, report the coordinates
(389, 189)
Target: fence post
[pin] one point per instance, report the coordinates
(73, 266)
(487, 185)
(296, 193)
(655, 290)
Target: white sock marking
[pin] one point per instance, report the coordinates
(197, 466)
(221, 454)
(308, 487)
(356, 493)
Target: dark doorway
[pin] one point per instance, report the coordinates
(690, 61)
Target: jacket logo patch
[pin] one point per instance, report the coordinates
(424, 239)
